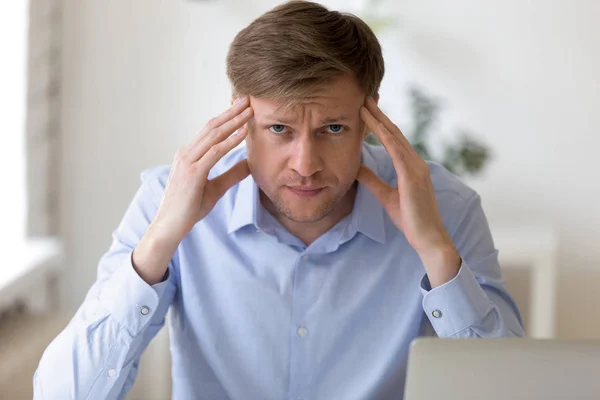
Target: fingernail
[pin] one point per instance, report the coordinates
(239, 100)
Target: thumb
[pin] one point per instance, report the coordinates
(235, 174)
(381, 190)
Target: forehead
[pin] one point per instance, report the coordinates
(340, 95)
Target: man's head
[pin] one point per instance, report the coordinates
(307, 71)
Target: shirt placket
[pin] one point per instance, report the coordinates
(300, 333)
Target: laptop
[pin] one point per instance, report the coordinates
(501, 369)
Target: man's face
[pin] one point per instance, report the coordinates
(306, 158)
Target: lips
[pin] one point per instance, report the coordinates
(304, 191)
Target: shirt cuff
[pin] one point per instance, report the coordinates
(455, 305)
(130, 300)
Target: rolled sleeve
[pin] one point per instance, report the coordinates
(457, 304)
(132, 302)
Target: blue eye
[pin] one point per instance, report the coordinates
(335, 128)
(277, 128)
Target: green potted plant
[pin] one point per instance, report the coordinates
(463, 156)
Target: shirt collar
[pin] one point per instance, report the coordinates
(368, 215)
(244, 206)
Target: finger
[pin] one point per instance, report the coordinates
(376, 127)
(239, 105)
(219, 134)
(389, 141)
(374, 109)
(383, 192)
(217, 151)
(236, 108)
(235, 174)
(380, 116)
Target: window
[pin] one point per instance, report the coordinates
(28, 94)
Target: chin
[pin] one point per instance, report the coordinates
(299, 211)
(307, 216)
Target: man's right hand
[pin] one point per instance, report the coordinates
(189, 195)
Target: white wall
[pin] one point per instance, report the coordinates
(140, 80)
(525, 76)
(13, 42)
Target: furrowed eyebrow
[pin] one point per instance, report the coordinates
(281, 120)
(326, 121)
(334, 120)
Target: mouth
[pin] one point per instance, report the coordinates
(305, 191)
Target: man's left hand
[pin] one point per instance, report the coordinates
(412, 205)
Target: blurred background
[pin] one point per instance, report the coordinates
(94, 92)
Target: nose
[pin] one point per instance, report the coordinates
(306, 159)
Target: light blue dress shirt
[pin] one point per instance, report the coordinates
(256, 314)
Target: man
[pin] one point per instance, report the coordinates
(300, 266)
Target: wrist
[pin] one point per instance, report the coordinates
(152, 255)
(163, 234)
(441, 264)
(158, 243)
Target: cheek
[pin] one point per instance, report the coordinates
(345, 160)
(262, 155)
(258, 147)
(353, 147)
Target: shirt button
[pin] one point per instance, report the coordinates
(144, 310)
(436, 313)
(112, 373)
(302, 331)
(305, 257)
